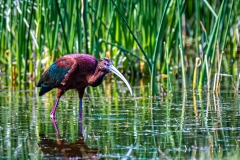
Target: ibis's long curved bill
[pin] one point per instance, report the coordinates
(114, 70)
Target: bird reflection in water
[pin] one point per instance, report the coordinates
(59, 148)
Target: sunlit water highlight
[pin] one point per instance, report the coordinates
(181, 125)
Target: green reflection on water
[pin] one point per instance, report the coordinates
(183, 125)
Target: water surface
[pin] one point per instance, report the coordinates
(179, 125)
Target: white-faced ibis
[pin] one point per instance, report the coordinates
(76, 71)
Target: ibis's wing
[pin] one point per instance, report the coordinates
(57, 74)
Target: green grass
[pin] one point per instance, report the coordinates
(34, 34)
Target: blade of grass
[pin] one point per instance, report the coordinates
(181, 48)
(210, 8)
(126, 23)
(209, 47)
(63, 27)
(124, 50)
(228, 23)
(158, 41)
(28, 50)
(197, 26)
(85, 25)
(79, 48)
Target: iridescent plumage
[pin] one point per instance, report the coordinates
(75, 71)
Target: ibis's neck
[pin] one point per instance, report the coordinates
(96, 79)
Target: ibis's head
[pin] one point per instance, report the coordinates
(106, 65)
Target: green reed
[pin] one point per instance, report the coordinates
(210, 48)
(34, 34)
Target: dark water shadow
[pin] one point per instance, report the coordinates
(59, 148)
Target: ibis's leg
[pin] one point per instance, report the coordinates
(80, 94)
(54, 108)
(60, 92)
(55, 125)
(80, 115)
(80, 109)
